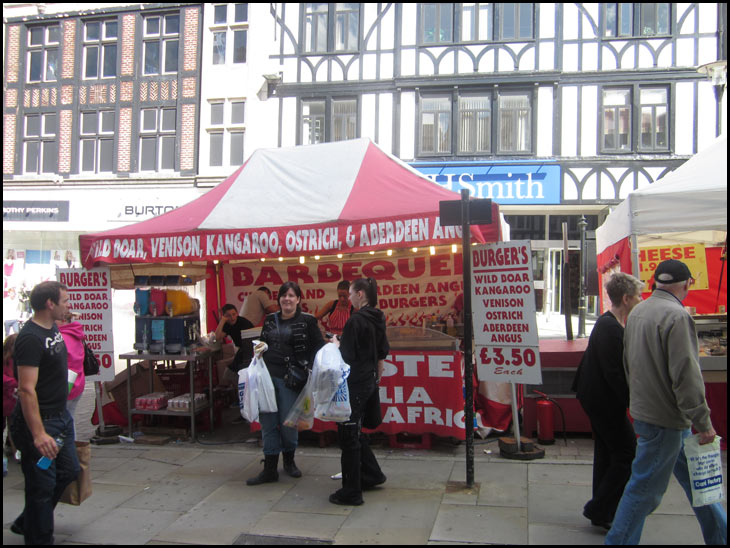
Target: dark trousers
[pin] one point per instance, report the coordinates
(43, 488)
(614, 450)
(359, 465)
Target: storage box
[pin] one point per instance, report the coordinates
(117, 388)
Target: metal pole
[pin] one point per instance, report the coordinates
(515, 417)
(468, 328)
(567, 307)
(582, 224)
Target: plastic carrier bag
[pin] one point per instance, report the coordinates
(301, 415)
(704, 464)
(330, 392)
(258, 393)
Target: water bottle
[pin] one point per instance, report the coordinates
(44, 462)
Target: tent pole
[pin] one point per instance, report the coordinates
(634, 256)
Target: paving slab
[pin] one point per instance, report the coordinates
(392, 516)
(136, 471)
(125, 526)
(480, 524)
(557, 503)
(175, 492)
(298, 525)
(226, 513)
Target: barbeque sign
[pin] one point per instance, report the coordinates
(503, 306)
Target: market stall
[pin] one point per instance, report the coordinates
(360, 209)
(682, 216)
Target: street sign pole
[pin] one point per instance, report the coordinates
(468, 362)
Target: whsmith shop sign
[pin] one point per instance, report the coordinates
(505, 183)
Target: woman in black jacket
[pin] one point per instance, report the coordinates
(293, 338)
(604, 395)
(364, 346)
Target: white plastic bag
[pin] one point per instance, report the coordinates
(330, 392)
(243, 400)
(338, 409)
(705, 470)
(301, 415)
(263, 395)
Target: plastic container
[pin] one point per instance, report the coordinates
(181, 302)
(159, 298)
(142, 299)
(44, 462)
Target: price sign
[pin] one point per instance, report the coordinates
(90, 298)
(503, 306)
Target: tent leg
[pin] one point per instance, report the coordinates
(634, 256)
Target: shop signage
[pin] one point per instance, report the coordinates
(90, 298)
(525, 183)
(411, 288)
(35, 211)
(503, 307)
(693, 255)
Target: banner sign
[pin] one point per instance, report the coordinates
(503, 307)
(528, 183)
(410, 288)
(225, 245)
(693, 255)
(90, 297)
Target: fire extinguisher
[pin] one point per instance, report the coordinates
(545, 414)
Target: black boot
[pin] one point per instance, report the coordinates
(290, 467)
(269, 473)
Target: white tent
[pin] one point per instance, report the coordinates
(688, 205)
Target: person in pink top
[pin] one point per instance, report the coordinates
(73, 336)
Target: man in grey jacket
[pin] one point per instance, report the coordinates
(667, 396)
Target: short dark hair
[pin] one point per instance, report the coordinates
(266, 289)
(344, 284)
(44, 291)
(227, 307)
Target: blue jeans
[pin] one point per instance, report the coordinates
(277, 437)
(43, 488)
(660, 452)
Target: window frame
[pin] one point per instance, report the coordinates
(102, 43)
(162, 38)
(635, 107)
(328, 118)
(161, 136)
(237, 28)
(634, 12)
(224, 129)
(45, 48)
(327, 20)
(98, 137)
(45, 142)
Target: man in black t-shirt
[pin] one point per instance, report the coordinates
(232, 324)
(41, 425)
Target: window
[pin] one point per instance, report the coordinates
(616, 120)
(435, 125)
(161, 44)
(476, 22)
(478, 130)
(437, 23)
(654, 106)
(328, 120)
(40, 148)
(515, 122)
(654, 19)
(313, 122)
(97, 141)
(157, 140)
(226, 132)
(475, 123)
(229, 21)
(331, 27)
(516, 21)
(43, 42)
(100, 49)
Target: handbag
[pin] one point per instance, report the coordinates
(91, 363)
(80, 489)
(296, 376)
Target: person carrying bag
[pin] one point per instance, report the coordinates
(293, 339)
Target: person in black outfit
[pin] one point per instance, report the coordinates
(293, 338)
(40, 425)
(604, 395)
(232, 324)
(364, 346)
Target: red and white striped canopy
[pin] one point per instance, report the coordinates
(342, 197)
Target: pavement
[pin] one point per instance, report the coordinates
(196, 493)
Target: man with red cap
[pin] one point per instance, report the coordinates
(667, 396)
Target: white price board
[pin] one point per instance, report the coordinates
(90, 297)
(503, 309)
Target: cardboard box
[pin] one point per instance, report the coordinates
(117, 388)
